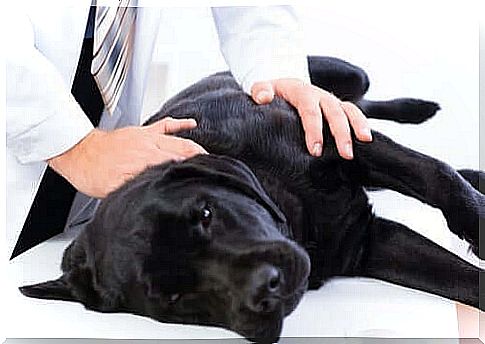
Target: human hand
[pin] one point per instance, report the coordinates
(103, 161)
(312, 102)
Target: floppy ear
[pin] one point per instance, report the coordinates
(52, 290)
(61, 288)
(76, 284)
(224, 171)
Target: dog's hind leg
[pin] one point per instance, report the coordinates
(346, 81)
(394, 253)
(350, 83)
(384, 163)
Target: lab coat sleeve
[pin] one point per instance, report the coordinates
(261, 43)
(42, 117)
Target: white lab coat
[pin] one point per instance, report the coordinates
(43, 47)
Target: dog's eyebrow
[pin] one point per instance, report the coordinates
(196, 172)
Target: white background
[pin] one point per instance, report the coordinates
(426, 49)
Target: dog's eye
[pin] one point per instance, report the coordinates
(173, 298)
(205, 216)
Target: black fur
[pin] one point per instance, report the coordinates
(234, 238)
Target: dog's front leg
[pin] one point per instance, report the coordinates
(396, 254)
(384, 163)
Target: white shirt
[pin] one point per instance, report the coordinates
(44, 120)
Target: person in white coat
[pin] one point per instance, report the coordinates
(46, 126)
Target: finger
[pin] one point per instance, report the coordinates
(150, 157)
(176, 125)
(262, 92)
(312, 121)
(164, 156)
(338, 123)
(184, 148)
(170, 125)
(305, 99)
(357, 121)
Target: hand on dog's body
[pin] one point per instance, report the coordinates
(314, 105)
(103, 161)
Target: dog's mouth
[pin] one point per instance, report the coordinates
(249, 291)
(267, 327)
(268, 330)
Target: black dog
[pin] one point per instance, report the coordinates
(234, 238)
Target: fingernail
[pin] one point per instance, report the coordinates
(348, 150)
(263, 96)
(317, 149)
(367, 133)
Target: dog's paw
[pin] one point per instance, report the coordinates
(474, 243)
(466, 227)
(474, 246)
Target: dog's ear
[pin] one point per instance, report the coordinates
(57, 289)
(76, 284)
(61, 288)
(225, 171)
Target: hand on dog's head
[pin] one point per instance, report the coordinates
(195, 242)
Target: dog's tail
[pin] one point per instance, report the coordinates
(402, 110)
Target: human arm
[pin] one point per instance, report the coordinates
(45, 123)
(42, 117)
(263, 47)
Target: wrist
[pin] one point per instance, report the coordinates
(67, 163)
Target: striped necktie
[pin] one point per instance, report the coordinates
(113, 49)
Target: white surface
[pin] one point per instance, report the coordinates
(342, 308)
(407, 52)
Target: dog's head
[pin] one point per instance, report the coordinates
(196, 242)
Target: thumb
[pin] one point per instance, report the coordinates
(262, 92)
(170, 125)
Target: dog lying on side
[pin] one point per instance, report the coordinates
(234, 239)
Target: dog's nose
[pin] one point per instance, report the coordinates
(264, 287)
